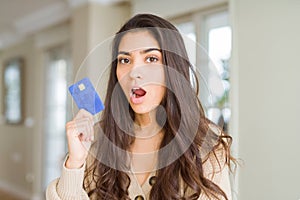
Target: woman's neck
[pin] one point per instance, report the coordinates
(148, 137)
(148, 133)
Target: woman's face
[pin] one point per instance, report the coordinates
(140, 71)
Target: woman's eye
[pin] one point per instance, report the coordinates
(124, 60)
(152, 59)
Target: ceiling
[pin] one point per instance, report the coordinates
(19, 18)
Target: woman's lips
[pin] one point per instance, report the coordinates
(137, 95)
(139, 92)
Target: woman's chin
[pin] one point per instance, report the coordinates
(140, 109)
(143, 109)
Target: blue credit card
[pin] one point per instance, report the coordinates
(86, 97)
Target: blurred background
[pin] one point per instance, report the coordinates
(251, 83)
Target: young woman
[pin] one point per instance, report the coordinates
(153, 141)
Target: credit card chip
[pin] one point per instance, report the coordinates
(81, 86)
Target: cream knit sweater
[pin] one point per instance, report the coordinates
(70, 185)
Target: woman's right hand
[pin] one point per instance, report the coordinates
(80, 134)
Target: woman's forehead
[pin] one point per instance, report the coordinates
(138, 40)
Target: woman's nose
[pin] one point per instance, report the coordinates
(136, 70)
(135, 74)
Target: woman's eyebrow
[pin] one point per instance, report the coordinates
(124, 52)
(150, 49)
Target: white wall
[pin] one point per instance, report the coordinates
(266, 82)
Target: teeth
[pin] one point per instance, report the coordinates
(134, 89)
(132, 93)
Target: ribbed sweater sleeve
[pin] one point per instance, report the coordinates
(69, 186)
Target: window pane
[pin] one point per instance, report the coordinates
(219, 50)
(209, 49)
(12, 82)
(55, 113)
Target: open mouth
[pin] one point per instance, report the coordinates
(138, 92)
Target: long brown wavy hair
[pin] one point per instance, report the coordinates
(181, 106)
